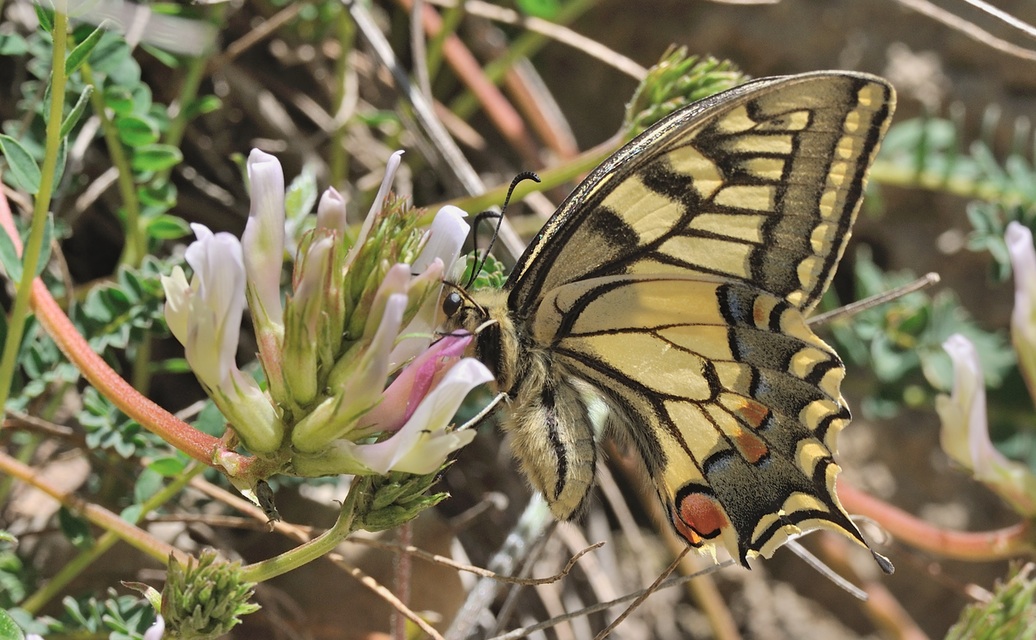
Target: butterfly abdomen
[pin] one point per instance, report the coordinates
(553, 435)
(549, 421)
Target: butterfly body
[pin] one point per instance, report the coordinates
(665, 301)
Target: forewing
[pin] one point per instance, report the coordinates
(732, 401)
(758, 184)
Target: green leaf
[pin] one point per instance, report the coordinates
(82, 51)
(119, 99)
(301, 195)
(133, 513)
(12, 44)
(136, 131)
(72, 119)
(8, 629)
(168, 467)
(76, 529)
(203, 105)
(113, 58)
(9, 259)
(24, 170)
(155, 157)
(162, 196)
(168, 227)
(162, 56)
(12, 262)
(45, 17)
(62, 161)
(148, 484)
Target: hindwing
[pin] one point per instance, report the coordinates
(731, 400)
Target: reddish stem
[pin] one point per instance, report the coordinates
(979, 546)
(200, 446)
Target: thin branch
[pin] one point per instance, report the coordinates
(486, 573)
(1005, 17)
(601, 606)
(554, 31)
(967, 28)
(385, 594)
(96, 514)
(640, 599)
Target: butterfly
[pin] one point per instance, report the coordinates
(666, 298)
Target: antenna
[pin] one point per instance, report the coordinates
(518, 179)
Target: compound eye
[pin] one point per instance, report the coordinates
(451, 304)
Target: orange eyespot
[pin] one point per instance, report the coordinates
(451, 304)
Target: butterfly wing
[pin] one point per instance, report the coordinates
(730, 398)
(674, 281)
(758, 184)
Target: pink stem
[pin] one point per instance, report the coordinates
(200, 446)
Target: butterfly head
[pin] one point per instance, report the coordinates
(483, 314)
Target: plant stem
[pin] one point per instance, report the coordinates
(895, 174)
(557, 176)
(77, 565)
(41, 207)
(972, 546)
(136, 244)
(96, 514)
(315, 548)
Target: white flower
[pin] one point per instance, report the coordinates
(156, 630)
(965, 431)
(446, 237)
(205, 316)
(264, 238)
(1023, 317)
(331, 211)
(330, 348)
(358, 388)
(423, 443)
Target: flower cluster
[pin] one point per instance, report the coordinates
(355, 315)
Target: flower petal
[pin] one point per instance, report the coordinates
(1023, 317)
(379, 201)
(423, 443)
(177, 303)
(401, 397)
(446, 237)
(965, 433)
(264, 237)
(216, 304)
(331, 211)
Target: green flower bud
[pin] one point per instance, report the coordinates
(205, 598)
